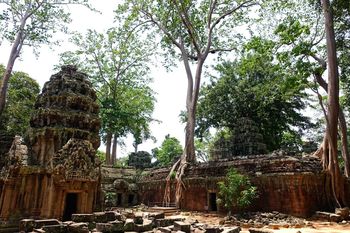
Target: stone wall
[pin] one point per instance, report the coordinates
(292, 185)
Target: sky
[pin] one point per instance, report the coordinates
(169, 86)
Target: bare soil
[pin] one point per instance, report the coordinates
(312, 226)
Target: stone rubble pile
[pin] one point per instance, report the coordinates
(122, 221)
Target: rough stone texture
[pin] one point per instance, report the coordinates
(260, 230)
(231, 230)
(182, 226)
(55, 229)
(26, 225)
(78, 228)
(82, 217)
(129, 225)
(285, 183)
(61, 156)
(65, 109)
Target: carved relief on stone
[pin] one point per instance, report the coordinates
(76, 160)
(16, 157)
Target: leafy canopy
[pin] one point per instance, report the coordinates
(168, 151)
(257, 87)
(22, 93)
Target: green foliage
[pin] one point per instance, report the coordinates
(168, 151)
(101, 155)
(255, 87)
(22, 93)
(236, 191)
(42, 19)
(140, 159)
(118, 64)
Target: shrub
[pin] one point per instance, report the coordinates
(236, 191)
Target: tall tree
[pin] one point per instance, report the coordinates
(256, 86)
(118, 64)
(189, 31)
(22, 93)
(31, 23)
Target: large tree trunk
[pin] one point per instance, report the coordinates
(333, 104)
(15, 51)
(342, 128)
(108, 148)
(114, 149)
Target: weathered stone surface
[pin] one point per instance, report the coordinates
(213, 229)
(343, 212)
(321, 215)
(82, 217)
(138, 218)
(104, 227)
(182, 226)
(45, 222)
(164, 229)
(156, 215)
(117, 226)
(260, 230)
(147, 225)
(78, 228)
(231, 230)
(164, 222)
(61, 155)
(129, 225)
(55, 229)
(111, 216)
(26, 225)
(335, 218)
(100, 217)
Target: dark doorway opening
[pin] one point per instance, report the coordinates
(212, 202)
(131, 199)
(71, 206)
(119, 199)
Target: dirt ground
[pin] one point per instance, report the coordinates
(313, 226)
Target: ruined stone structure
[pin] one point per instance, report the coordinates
(288, 184)
(57, 172)
(119, 186)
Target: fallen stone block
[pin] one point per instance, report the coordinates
(100, 217)
(104, 227)
(82, 217)
(45, 222)
(343, 212)
(164, 222)
(39, 231)
(117, 226)
(164, 229)
(78, 228)
(156, 215)
(259, 230)
(26, 225)
(55, 229)
(231, 230)
(212, 229)
(129, 225)
(111, 216)
(182, 226)
(320, 215)
(335, 218)
(138, 218)
(146, 226)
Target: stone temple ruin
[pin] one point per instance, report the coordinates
(56, 172)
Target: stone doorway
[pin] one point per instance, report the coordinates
(212, 202)
(71, 206)
(119, 199)
(130, 199)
